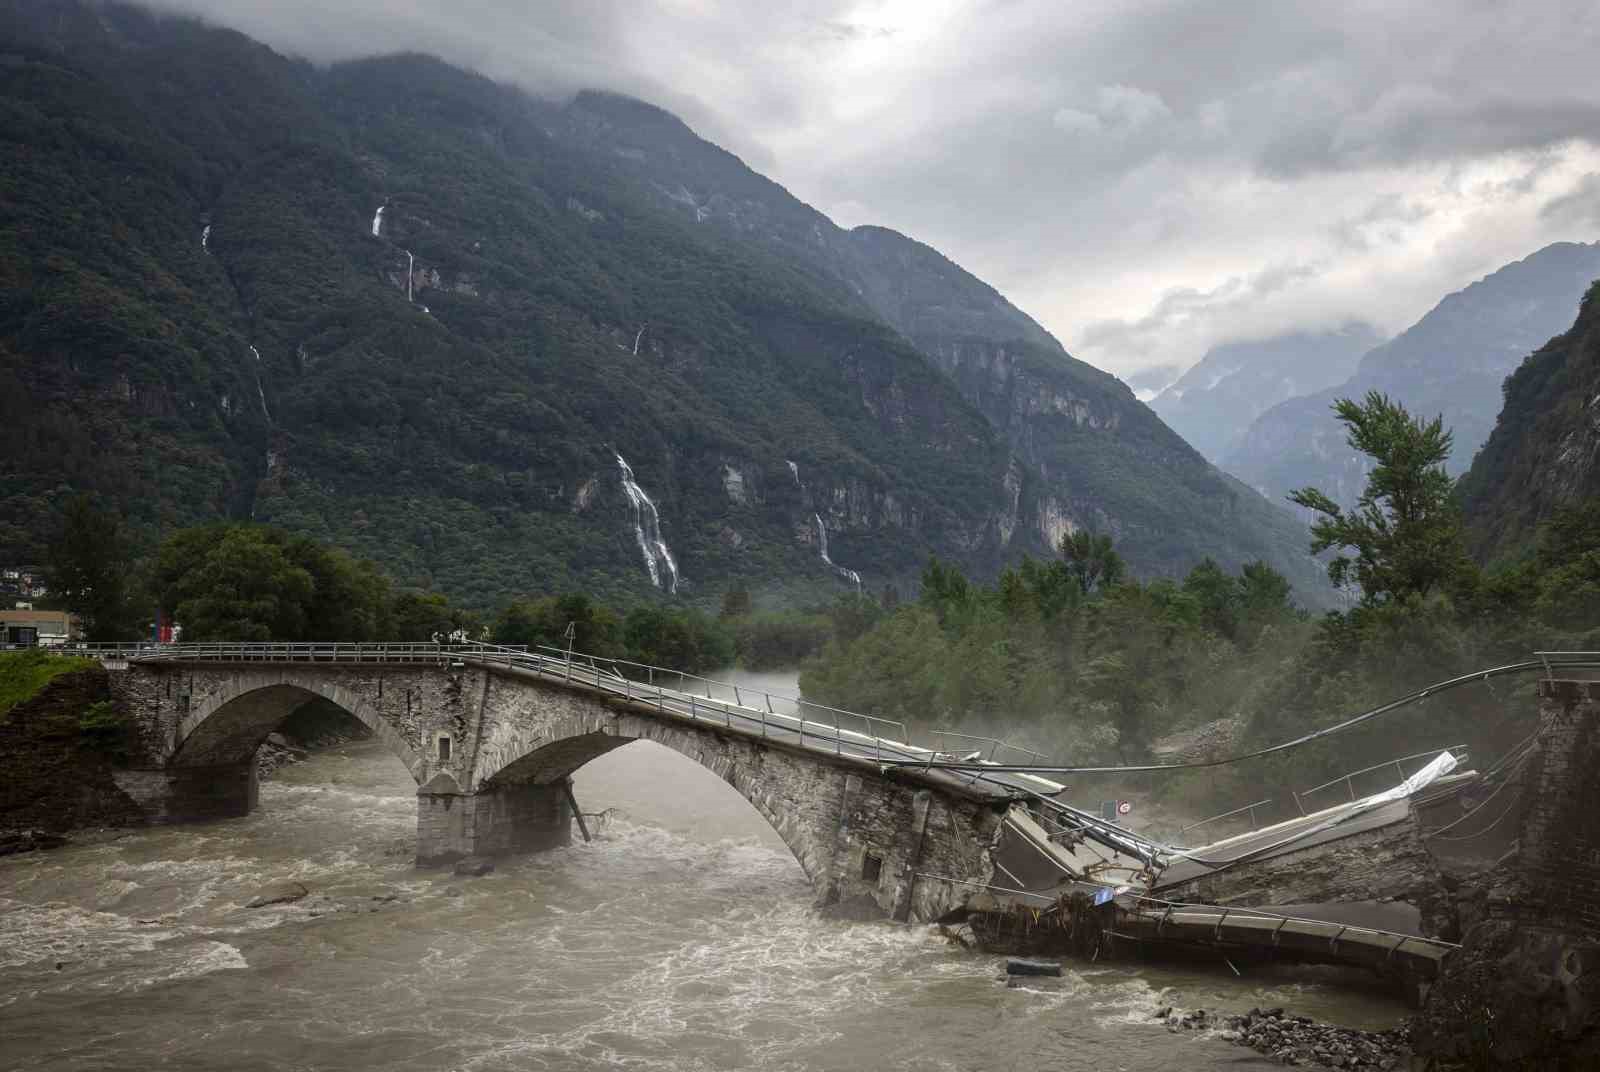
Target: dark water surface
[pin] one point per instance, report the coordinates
(681, 939)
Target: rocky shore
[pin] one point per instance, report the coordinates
(1299, 1040)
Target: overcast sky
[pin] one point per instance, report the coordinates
(1146, 179)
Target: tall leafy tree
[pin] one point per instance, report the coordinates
(90, 565)
(1405, 531)
(1091, 561)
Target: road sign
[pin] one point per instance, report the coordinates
(1124, 807)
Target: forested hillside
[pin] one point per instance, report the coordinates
(1545, 451)
(399, 308)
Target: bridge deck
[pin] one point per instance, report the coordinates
(810, 727)
(1252, 930)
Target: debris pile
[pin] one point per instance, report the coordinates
(1299, 1040)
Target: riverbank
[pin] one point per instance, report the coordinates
(1300, 1040)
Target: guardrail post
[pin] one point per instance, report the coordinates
(837, 744)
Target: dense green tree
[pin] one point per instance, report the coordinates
(680, 640)
(1568, 567)
(91, 564)
(422, 617)
(234, 582)
(1405, 531)
(1091, 561)
(736, 602)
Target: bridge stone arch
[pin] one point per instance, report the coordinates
(232, 721)
(783, 792)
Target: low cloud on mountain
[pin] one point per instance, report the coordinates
(1134, 175)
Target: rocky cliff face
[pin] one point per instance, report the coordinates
(1545, 448)
(1451, 362)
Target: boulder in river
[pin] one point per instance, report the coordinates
(474, 866)
(15, 841)
(1025, 966)
(277, 893)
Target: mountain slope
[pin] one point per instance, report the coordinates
(1451, 362)
(1213, 404)
(1087, 452)
(1545, 448)
(205, 313)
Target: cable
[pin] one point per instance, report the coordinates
(1589, 661)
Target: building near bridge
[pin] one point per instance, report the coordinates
(22, 626)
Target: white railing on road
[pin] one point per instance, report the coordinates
(754, 711)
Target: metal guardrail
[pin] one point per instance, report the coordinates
(1460, 751)
(1224, 911)
(1251, 808)
(640, 682)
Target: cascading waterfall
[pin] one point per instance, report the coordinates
(411, 263)
(822, 541)
(636, 339)
(205, 238)
(260, 393)
(377, 222)
(795, 469)
(647, 529)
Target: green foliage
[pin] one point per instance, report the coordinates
(255, 582)
(683, 640)
(736, 602)
(103, 726)
(1541, 452)
(780, 641)
(24, 673)
(1091, 561)
(1060, 652)
(90, 569)
(1406, 528)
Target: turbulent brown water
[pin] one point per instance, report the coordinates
(682, 938)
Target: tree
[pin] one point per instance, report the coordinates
(1406, 528)
(90, 562)
(736, 602)
(1091, 561)
(234, 582)
(1568, 566)
(1217, 596)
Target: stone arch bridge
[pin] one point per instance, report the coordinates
(493, 735)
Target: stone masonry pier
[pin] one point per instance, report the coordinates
(1524, 990)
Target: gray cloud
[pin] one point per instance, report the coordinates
(1580, 208)
(1147, 179)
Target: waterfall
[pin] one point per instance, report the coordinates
(205, 238)
(795, 469)
(647, 529)
(822, 541)
(377, 222)
(636, 339)
(261, 394)
(411, 262)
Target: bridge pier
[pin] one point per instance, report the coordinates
(191, 794)
(497, 820)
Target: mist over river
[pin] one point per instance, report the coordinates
(682, 938)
